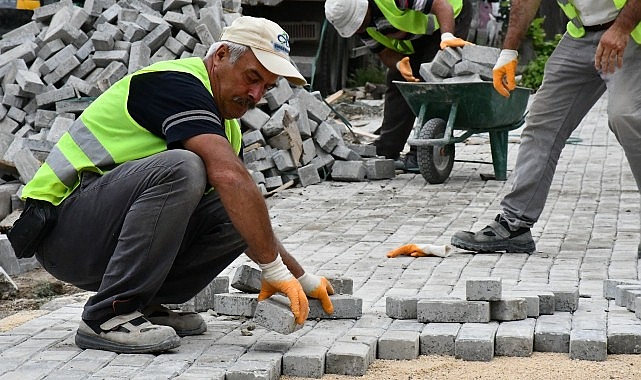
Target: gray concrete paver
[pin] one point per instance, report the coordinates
(587, 233)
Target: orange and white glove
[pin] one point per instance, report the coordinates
(406, 69)
(277, 278)
(448, 40)
(318, 287)
(415, 250)
(504, 72)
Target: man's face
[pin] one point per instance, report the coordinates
(239, 86)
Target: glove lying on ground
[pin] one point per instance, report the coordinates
(504, 72)
(318, 287)
(448, 40)
(415, 250)
(277, 278)
(406, 69)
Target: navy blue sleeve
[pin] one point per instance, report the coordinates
(174, 106)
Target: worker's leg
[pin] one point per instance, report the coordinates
(624, 106)
(211, 243)
(398, 117)
(571, 86)
(119, 234)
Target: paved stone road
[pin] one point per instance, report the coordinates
(589, 231)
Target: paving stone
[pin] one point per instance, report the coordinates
(475, 341)
(398, 345)
(552, 333)
(439, 338)
(452, 311)
(515, 338)
(588, 345)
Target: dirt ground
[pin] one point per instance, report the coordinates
(37, 288)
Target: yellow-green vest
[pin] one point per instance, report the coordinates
(575, 26)
(409, 21)
(106, 135)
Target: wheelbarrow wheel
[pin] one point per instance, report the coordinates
(435, 162)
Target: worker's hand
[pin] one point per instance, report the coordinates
(504, 72)
(277, 278)
(406, 69)
(609, 52)
(448, 40)
(415, 250)
(318, 287)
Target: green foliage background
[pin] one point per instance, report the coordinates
(533, 75)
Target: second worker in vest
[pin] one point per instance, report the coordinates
(153, 201)
(600, 50)
(404, 34)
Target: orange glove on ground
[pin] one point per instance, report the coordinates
(277, 278)
(448, 40)
(406, 69)
(421, 251)
(318, 287)
(504, 72)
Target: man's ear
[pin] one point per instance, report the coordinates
(221, 53)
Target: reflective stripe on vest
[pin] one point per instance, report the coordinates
(106, 135)
(575, 26)
(409, 21)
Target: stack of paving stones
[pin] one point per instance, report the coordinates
(343, 342)
(470, 63)
(490, 322)
(53, 67)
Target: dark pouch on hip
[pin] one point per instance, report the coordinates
(35, 222)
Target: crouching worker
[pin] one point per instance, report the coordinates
(145, 200)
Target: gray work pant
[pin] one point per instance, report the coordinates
(571, 86)
(141, 234)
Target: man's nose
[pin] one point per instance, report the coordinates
(256, 92)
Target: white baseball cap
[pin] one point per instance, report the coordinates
(346, 15)
(269, 43)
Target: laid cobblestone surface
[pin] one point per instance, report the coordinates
(589, 232)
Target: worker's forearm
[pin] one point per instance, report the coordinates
(629, 16)
(522, 13)
(291, 263)
(444, 14)
(246, 208)
(390, 58)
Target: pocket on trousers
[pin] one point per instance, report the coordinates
(35, 222)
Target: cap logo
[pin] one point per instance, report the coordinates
(283, 43)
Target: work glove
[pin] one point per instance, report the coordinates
(448, 40)
(406, 70)
(318, 287)
(415, 250)
(277, 278)
(504, 72)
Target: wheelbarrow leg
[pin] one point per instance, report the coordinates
(498, 144)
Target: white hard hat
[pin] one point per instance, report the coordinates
(346, 15)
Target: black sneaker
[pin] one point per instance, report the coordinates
(411, 164)
(496, 237)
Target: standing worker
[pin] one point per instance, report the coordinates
(145, 200)
(404, 34)
(599, 51)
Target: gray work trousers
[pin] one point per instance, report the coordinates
(571, 86)
(141, 234)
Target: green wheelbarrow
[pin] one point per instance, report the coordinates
(472, 107)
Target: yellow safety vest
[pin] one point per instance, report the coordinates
(575, 26)
(409, 21)
(106, 135)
